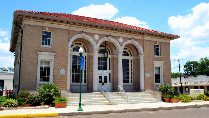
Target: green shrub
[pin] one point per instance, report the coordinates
(10, 103)
(166, 88)
(48, 92)
(184, 98)
(34, 100)
(167, 95)
(60, 99)
(23, 94)
(22, 101)
(2, 99)
(202, 97)
(207, 93)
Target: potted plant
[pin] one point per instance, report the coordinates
(174, 99)
(60, 102)
(167, 97)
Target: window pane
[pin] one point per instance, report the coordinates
(44, 71)
(105, 79)
(76, 68)
(125, 64)
(157, 50)
(100, 79)
(46, 38)
(157, 74)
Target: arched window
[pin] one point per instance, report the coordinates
(103, 62)
(127, 66)
(76, 64)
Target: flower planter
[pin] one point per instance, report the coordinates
(173, 100)
(166, 99)
(1, 108)
(61, 105)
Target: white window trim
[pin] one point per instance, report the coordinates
(130, 58)
(77, 53)
(49, 57)
(71, 63)
(159, 64)
(159, 50)
(46, 46)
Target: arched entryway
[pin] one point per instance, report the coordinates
(133, 66)
(87, 43)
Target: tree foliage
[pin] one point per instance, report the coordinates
(174, 75)
(194, 68)
(191, 68)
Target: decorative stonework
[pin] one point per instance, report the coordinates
(121, 40)
(96, 36)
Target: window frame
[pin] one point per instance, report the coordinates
(45, 56)
(159, 50)
(130, 58)
(159, 64)
(42, 38)
(77, 54)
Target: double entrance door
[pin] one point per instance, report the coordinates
(105, 80)
(104, 73)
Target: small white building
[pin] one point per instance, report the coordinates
(199, 82)
(6, 82)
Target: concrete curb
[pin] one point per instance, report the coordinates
(28, 115)
(134, 110)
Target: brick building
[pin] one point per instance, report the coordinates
(46, 50)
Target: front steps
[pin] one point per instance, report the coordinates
(96, 98)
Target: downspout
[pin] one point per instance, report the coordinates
(18, 89)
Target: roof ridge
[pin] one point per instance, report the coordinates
(91, 19)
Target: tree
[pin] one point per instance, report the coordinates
(203, 66)
(175, 75)
(191, 68)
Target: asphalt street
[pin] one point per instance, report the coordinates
(176, 113)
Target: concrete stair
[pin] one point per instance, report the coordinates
(96, 98)
(141, 97)
(117, 99)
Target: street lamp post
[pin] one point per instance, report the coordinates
(181, 87)
(81, 71)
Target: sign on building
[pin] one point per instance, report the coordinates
(196, 92)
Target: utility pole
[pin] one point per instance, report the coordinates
(181, 87)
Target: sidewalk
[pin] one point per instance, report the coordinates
(98, 109)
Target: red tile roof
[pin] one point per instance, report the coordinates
(95, 21)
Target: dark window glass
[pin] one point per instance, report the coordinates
(126, 71)
(105, 79)
(76, 69)
(195, 87)
(44, 71)
(157, 74)
(102, 63)
(46, 38)
(157, 50)
(100, 79)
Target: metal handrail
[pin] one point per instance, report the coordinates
(122, 93)
(106, 94)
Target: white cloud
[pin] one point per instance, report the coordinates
(131, 21)
(7, 61)
(105, 11)
(6, 57)
(4, 47)
(193, 29)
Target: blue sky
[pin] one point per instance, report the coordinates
(187, 18)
